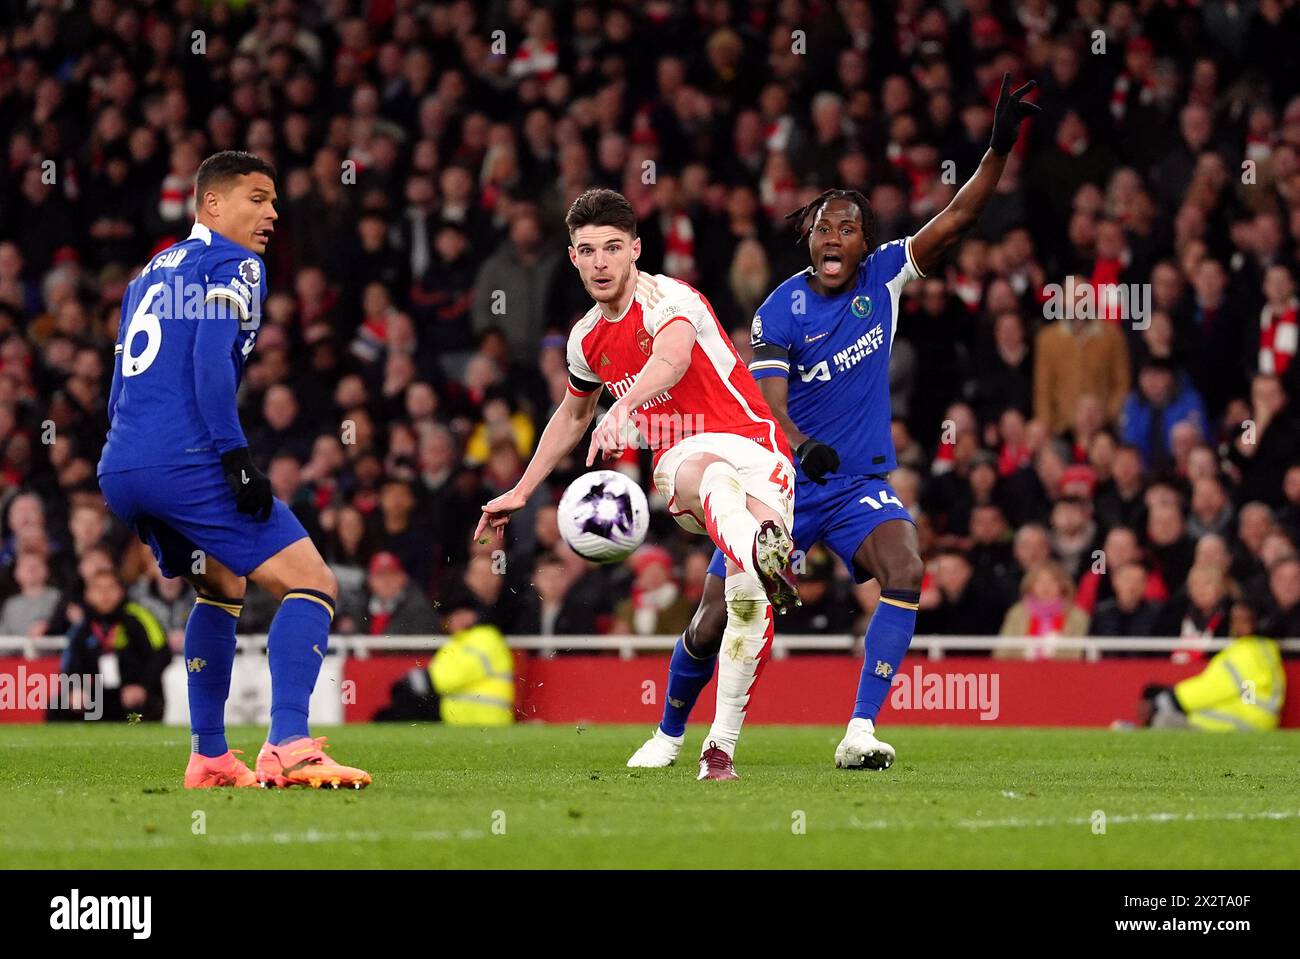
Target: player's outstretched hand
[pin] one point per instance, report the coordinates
(817, 459)
(252, 490)
(1011, 109)
(496, 514)
(610, 433)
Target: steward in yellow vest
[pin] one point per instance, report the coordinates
(1241, 688)
(474, 678)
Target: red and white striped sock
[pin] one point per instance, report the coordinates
(731, 525)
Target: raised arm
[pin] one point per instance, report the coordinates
(940, 237)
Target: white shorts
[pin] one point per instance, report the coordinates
(766, 476)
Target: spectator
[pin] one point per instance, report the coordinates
(112, 624)
(401, 530)
(955, 604)
(169, 599)
(1004, 377)
(283, 432)
(1254, 525)
(656, 606)
(550, 609)
(31, 611)
(1150, 414)
(1045, 611)
(443, 292)
(1096, 585)
(1198, 610)
(1282, 616)
(1168, 546)
(1265, 447)
(347, 550)
(394, 606)
(1127, 613)
(1074, 535)
(991, 556)
(1211, 510)
(1279, 322)
(1119, 499)
(1076, 356)
(514, 285)
(825, 609)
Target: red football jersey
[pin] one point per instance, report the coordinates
(717, 394)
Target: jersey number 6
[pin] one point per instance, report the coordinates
(142, 321)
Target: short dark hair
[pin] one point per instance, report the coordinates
(226, 165)
(601, 207)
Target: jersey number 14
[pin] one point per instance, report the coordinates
(882, 499)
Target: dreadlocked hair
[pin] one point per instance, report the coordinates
(801, 215)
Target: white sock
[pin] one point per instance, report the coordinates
(746, 644)
(731, 525)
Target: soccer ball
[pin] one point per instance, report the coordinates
(603, 516)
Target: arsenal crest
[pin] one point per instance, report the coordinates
(643, 339)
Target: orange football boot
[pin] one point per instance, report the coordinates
(303, 763)
(204, 772)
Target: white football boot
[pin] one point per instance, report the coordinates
(860, 749)
(660, 750)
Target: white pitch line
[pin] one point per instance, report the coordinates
(1122, 820)
(313, 836)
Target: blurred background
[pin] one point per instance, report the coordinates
(413, 339)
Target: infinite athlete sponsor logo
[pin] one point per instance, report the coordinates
(859, 349)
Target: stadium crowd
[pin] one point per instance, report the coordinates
(1123, 473)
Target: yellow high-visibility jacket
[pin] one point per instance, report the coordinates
(1241, 688)
(474, 677)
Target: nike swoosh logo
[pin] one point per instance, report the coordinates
(814, 339)
(243, 477)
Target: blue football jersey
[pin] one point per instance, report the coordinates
(835, 352)
(201, 296)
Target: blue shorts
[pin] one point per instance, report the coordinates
(840, 514)
(186, 512)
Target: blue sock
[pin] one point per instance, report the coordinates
(296, 648)
(209, 658)
(687, 676)
(888, 635)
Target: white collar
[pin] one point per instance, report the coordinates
(201, 232)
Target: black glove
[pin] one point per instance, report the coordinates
(252, 490)
(1011, 109)
(817, 459)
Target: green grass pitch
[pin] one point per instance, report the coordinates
(559, 796)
